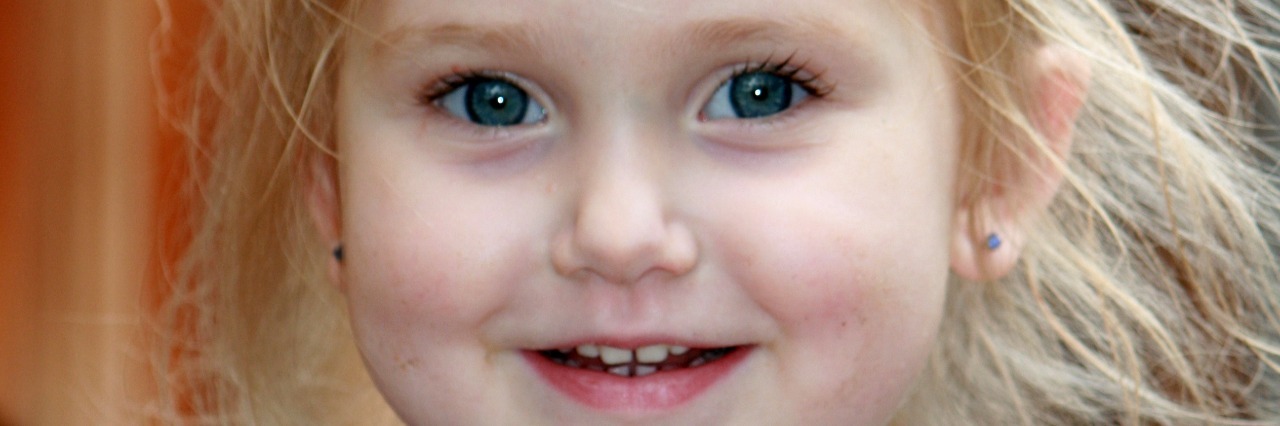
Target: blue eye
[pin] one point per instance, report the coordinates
(491, 102)
(754, 94)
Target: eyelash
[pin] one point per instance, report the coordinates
(813, 84)
(442, 86)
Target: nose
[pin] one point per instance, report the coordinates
(623, 225)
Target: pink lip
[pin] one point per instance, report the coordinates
(658, 391)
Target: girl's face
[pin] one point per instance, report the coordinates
(658, 212)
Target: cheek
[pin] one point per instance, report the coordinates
(858, 312)
(851, 265)
(422, 273)
(397, 278)
(422, 278)
(820, 277)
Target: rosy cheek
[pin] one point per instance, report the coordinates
(399, 295)
(805, 282)
(827, 297)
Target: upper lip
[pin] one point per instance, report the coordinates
(634, 342)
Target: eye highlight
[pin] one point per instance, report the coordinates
(487, 101)
(760, 91)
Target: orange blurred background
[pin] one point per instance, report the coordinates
(90, 201)
(89, 171)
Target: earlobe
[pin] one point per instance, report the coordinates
(976, 256)
(1021, 189)
(325, 208)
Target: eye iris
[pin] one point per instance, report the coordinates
(759, 94)
(496, 103)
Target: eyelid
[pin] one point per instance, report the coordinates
(437, 89)
(798, 73)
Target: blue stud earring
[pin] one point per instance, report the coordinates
(994, 241)
(337, 252)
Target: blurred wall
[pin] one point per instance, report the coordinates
(78, 175)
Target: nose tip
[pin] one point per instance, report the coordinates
(620, 233)
(625, 259)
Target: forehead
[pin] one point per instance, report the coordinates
(396, 22)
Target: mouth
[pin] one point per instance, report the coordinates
(637, 362)
(638, 379)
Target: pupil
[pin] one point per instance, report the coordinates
(759, 94)
(496, 103)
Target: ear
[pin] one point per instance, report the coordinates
(1022, 188)
(325, 206)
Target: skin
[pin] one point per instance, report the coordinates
(821, 236)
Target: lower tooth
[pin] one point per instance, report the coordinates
(697, 362)
(621, 370)
(645, 370)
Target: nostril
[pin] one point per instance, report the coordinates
(619, 258)
(679, 251)
(573, 258)
(564, 257)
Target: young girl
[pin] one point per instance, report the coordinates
(731, 212)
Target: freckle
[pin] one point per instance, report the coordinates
(407, 365)
(457, 69)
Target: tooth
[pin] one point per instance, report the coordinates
(621, 370)
(678, 350)
(652, 354)
(589, 351)
(614, 356)
(697, 362)
(645, 370)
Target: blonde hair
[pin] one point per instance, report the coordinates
(1147, 294)
(252, 332)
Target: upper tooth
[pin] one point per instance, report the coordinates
(613, 356)
(589, 351)
(652, 354)
(610, 355)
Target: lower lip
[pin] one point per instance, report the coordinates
(657, 391)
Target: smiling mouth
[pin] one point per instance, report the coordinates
(638, 362)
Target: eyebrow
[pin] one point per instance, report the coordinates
(532, 38)
(508, 37)
(740, 30)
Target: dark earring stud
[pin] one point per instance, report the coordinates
(337, 252)
(994, 241)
